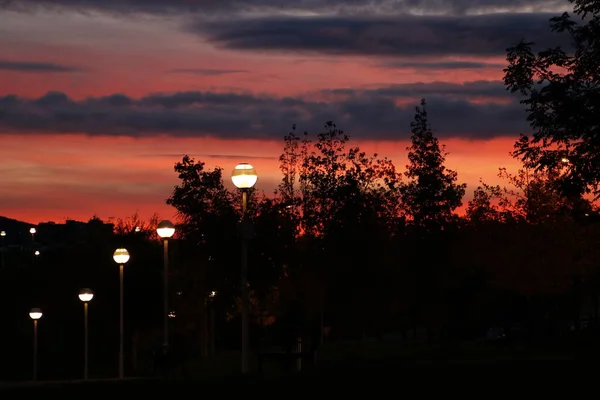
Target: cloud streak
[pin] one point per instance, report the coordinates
(373, 113)
(356, 7)
(440, 65)
(34, 67)
(207, 71)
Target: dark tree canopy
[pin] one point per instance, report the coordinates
(561, 93)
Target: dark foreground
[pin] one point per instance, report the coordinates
(485, 379)
(369, 371)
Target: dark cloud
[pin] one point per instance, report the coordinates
(400, 36)
(27, 66)
(207, 72)
(368, 113)
(356, 7)
(440, 65)
(464, 91)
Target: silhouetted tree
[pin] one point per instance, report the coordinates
(561, 90)
(431, 195)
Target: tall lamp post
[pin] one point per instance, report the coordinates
(244, 177)
(121, 256)
(35, 314)
(165, 230)
(32, 231)
(2, 236)
(85, 295)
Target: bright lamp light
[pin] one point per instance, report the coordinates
(35, 313)
(32, 231)
(86, 295)
(3, 233)
(121, 256)
(244, 176)
(165, 229)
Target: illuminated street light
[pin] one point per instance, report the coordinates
(244, 177)
(564, 160)
(121, 256)
(85, 295)
(35, 314)
(3, 233)
(165, 229)
(36, 253)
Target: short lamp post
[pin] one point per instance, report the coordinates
(35, 314)
(32, 231)
(121, 256)
(165, 230)
(244, 177)
(85, 295)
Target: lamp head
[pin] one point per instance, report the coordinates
(35, 313)
(121, 256)
(244, 176)
(2, 233)
(86, 295)
(165, 229)
(32, 231)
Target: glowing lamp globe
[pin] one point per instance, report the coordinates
(3, 233)
(244, 176)
(35, 314)
(86, 295)
(165, 229)
(32, 231)
(121, 256)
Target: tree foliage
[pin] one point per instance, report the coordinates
(432, 195)
(561, 92)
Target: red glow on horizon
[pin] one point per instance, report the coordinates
(53, 178)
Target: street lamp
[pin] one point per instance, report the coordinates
(165, 230)
(121, 256)
(85, 295)
(35, 314)
(244, 177)
(32, 231)
(2, 236)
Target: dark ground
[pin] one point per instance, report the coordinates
(372, 371)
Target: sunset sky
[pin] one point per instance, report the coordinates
(99, 98)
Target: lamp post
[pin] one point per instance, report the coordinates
(35, 314)
(244, 178)
(121, 256)
(85, 295)
(32, 231)
(165, 230)
(2, 236)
